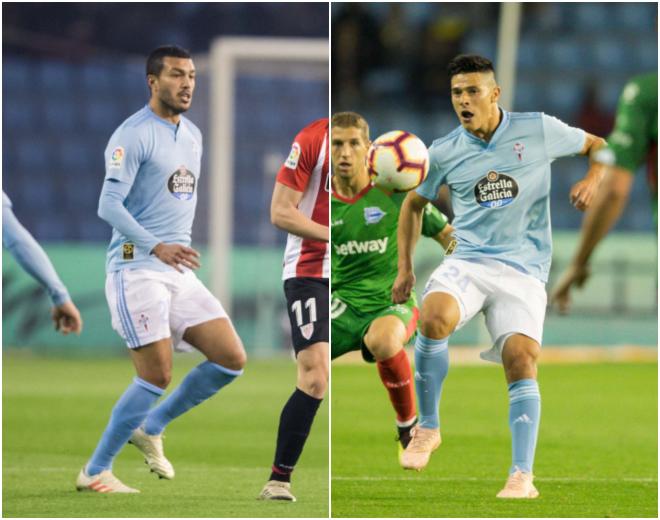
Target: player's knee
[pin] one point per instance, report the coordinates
(237, 359)
(314, 382)
(160, 378)
(520, 366)
(437, 323)
(382, 345)
(519, 359)
(522, 351)
(317, 387)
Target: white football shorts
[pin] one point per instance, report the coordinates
(148, 306)
(512, 302)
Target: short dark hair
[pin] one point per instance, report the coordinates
(465, 63)
(155, 59)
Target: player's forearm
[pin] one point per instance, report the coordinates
(112, 210)
(605, 210)
(594, 149)
(31, 257)
(410, 227)
(292, 220)
(446, 238)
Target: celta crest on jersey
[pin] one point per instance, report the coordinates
(294, 156)
(519, 148)
(495, 190)
(182, 184)
(373, 215)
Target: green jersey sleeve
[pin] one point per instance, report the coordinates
(636, 125)
(433, 221)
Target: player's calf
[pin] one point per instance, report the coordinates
(295, 424)
(313, 370)
(201, 383)
(396, 375)
(384, 340)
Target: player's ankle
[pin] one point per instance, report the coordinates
(280, 477)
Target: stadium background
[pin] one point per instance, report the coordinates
(388, 63)
(71, 74)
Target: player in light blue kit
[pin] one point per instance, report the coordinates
(149, 196)
(497, 167)
(31, 257)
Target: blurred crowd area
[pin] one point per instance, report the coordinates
(73, 72)
(86, 29)
(389, 63)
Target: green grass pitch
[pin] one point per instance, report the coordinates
(54, 411)
(597, 453)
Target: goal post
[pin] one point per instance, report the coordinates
(267, 60)
(507, 51)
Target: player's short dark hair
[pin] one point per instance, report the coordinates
(466, 63)
(351, 120)
(155, 59)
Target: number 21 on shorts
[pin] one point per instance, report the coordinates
(454, 274)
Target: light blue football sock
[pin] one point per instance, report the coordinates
(431, 367)
(129, 412)
(524, 417)
(202, 382)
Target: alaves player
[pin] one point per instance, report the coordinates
(364, 258)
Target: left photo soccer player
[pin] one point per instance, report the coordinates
(153, 163)
(300, 206)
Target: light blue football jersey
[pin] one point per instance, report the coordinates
(162, 162)
(500, 190)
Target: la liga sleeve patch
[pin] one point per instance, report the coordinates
(116, 158)
(294, 156)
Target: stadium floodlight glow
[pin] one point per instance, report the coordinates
(228, 55)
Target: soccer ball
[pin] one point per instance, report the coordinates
(398, 161)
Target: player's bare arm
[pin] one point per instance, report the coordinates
(583, 191)
(177, 255)
(410, 227)
(606, 208)
(285, 215)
